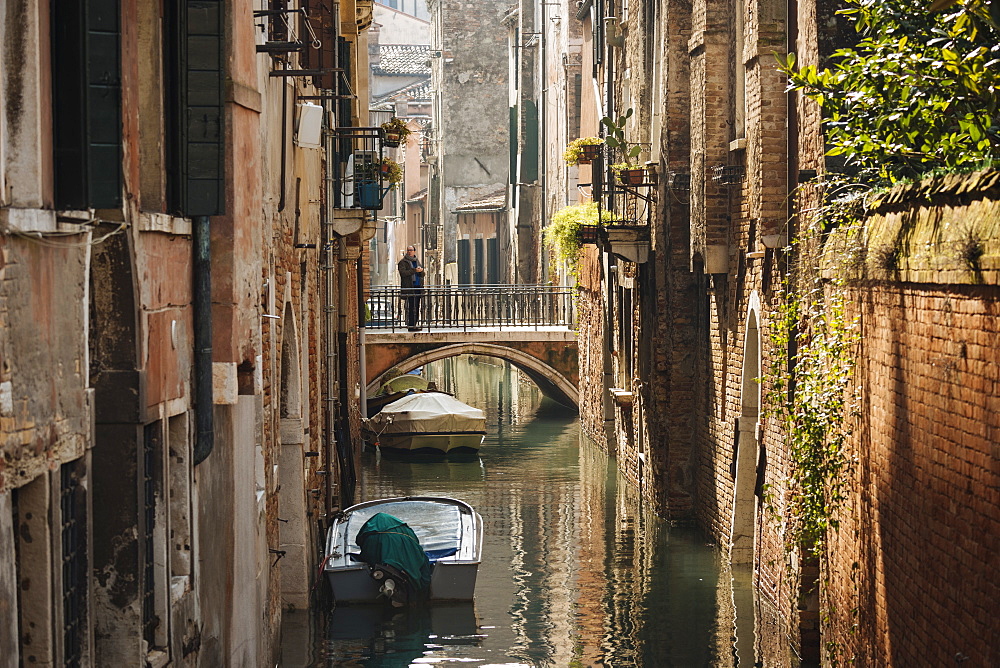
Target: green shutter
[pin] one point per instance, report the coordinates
(492, 260)
(197, 186)
(464, 270)
(529, 154)
(480, 265)
(86, 96)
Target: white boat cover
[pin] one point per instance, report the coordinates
(438, 525)
(428, 413)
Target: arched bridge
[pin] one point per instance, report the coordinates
(530, 326)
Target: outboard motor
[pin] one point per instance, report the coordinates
(395, 558)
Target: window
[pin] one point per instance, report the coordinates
(73, 527)
(86, 104)
(195, 114)
(152, 539)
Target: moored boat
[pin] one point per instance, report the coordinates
(429, 422)
(369, 556)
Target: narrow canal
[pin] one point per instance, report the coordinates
(574, 572)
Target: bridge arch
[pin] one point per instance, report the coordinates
(551, 382)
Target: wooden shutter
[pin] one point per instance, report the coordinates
(86, 96)
(493, 260)
(464, 270)
(196, 129)
(480, 262)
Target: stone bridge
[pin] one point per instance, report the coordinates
(546, 355)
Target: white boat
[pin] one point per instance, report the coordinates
(449, 531)
(429, 421)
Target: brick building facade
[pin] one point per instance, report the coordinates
(676, 359)
(178, 349)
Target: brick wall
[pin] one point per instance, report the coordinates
(923, 524)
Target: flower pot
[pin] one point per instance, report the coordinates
(588, 153)
(392, 139)
(588, 234)
(632, 177)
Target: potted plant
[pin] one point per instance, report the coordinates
(394, 131)
(615, 139)
(390, 171)
(582, 150)
(630, 173)
(570, 228)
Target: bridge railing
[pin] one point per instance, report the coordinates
(471, 306)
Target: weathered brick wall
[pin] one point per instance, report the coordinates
(44, 410)
(916, 555)
(591, 314)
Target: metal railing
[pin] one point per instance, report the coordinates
(472, 306)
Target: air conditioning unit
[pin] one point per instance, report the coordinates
(309, 133)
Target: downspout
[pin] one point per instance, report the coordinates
(363, 367)
(202, 302)
(284, 137)
(541, 155)
(329, 313)
(346, 447)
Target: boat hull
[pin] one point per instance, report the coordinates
(446, 443)
(453, 577)
(449, 582)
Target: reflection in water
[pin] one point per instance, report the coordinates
(574, 573)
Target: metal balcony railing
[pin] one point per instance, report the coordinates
(468, 307)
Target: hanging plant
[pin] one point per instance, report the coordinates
(390, 171)
(394, 131)
(567, 231)
(583, 150)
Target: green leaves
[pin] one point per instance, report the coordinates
(615, 135)
(919, 92)
(562, 234)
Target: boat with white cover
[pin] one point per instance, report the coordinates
(450, 534)
(427, 422)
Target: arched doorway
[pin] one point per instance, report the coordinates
(747, 449)
(293, 533)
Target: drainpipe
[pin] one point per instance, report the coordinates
(202, 285)
(284, 137)
(361, 338)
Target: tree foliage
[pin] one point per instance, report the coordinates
(919, 92)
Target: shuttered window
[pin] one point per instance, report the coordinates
(464, 270)
(86, 97)
(492, 260)
(195, 130)
(480, 262)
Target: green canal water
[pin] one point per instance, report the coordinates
(575, 572)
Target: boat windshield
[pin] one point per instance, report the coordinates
(438, 526)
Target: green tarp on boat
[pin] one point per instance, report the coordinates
(388, 540)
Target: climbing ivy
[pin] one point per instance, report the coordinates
(813, 336)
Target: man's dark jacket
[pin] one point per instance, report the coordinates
(406, 272)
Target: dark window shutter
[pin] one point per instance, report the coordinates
(196, 124)
(515, 143)
(343, 88)
(492, 260)
(529, 154)
(480, 265)
(86, 96)
(464, 270)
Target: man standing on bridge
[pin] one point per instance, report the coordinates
(411, 279)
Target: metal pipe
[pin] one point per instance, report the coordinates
(363, 367)
(202, 303)
(284, 138)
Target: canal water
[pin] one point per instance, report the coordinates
(574, 572)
